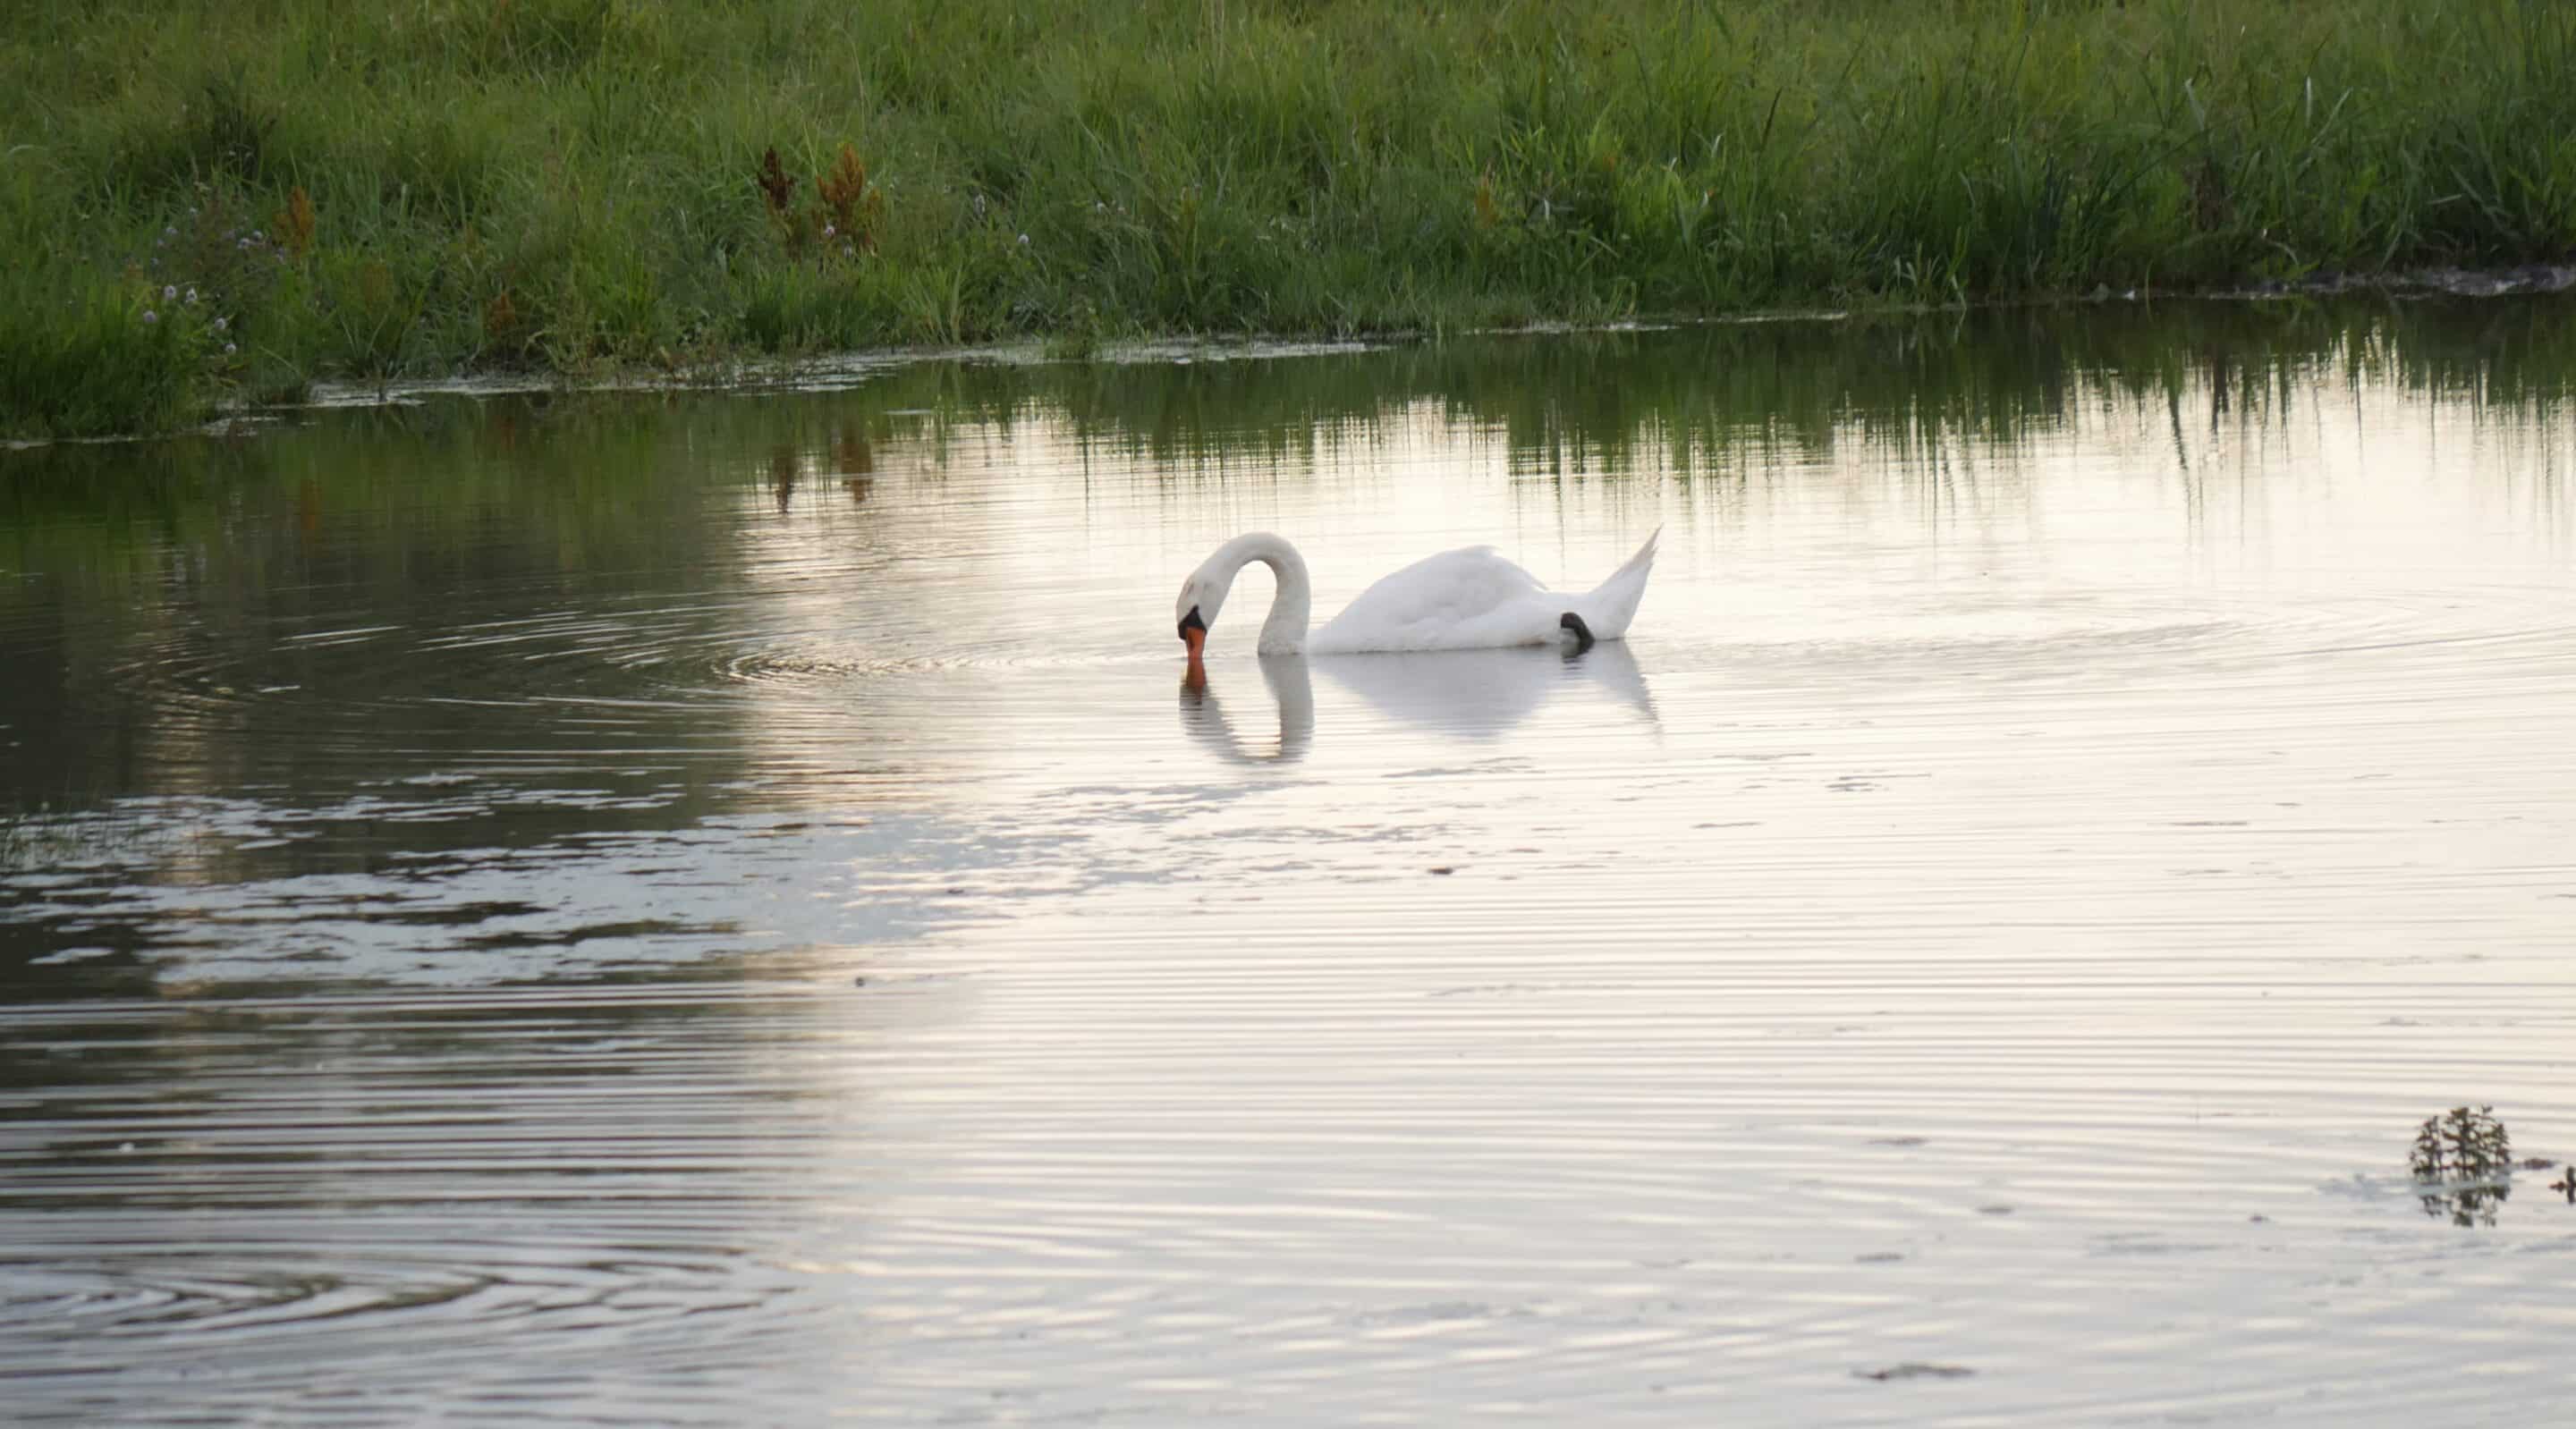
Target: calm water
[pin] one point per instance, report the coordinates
(718, 909)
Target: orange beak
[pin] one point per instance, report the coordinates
(1194, 637)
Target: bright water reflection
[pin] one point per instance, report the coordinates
(721, 909)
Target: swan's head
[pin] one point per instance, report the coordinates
(1202, 596)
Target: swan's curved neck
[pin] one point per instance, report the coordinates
(1284, 633)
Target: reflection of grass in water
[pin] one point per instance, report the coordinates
(1616, 404)
(611, 483)
(32, 841)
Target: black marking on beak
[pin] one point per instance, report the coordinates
(1582, 632)
(1192, 622)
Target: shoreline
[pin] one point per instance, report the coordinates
(843, 371)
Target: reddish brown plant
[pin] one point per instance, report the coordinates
(851, 206)
(294, 223)
(775, 185)
(500, 318)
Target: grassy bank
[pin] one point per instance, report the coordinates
(435, 185)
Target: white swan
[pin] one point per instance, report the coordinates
(1457, 600)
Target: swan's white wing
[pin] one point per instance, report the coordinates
(1457, 600)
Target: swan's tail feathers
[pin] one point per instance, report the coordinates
(1613, 603)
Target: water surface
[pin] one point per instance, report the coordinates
(720, 908)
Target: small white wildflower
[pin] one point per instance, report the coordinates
(1024, 240)
(258, 237)
(192, 295)
(228, 349)
(849, 251)
(243, 244)
(169, 291)
(151, 316)
(829, 230)
(172, 230)
(222, 323)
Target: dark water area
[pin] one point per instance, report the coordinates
(719, 908)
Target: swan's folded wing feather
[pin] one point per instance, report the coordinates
(1446, 601)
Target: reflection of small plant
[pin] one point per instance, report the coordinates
(2463, 1160)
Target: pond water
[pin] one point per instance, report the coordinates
(720, 908)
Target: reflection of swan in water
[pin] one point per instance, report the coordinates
(1291, 689)
(1467, 694)
(1478, 694)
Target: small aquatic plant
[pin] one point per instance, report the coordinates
(2463, 1162)
(2462, 1145)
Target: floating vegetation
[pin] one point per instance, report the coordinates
(1915, 1369)
(2463, 1165)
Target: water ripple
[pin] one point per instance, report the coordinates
(788, 944)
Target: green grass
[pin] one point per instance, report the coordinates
(570, 185)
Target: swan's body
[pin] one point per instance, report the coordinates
(1457, 600)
